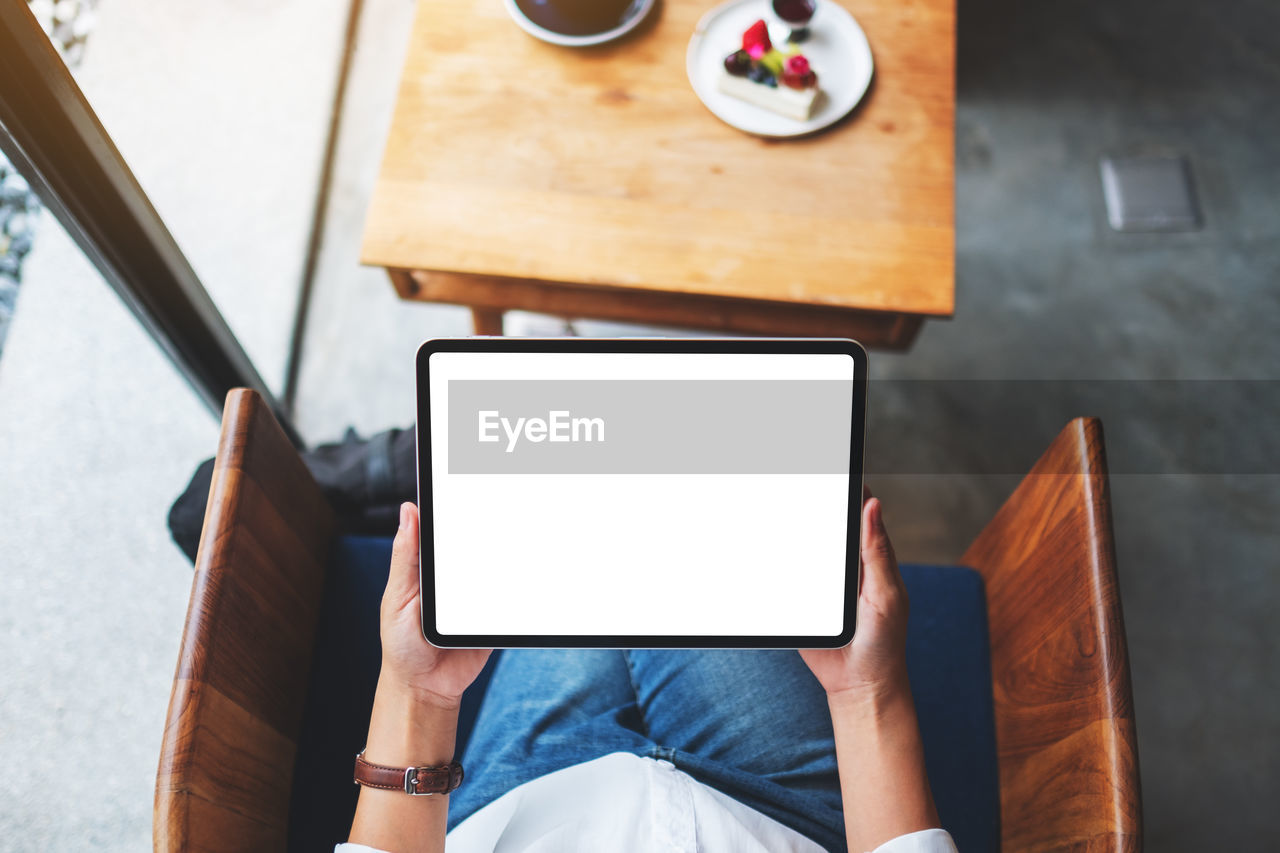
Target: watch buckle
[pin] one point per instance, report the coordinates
(411, 784)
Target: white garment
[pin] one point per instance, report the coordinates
(624, 802)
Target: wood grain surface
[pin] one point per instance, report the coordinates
(490, 295)
(1060, 665)
(600, 167)
(230, 738)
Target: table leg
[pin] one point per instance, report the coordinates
(487, 321)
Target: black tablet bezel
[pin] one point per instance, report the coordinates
(640, 345)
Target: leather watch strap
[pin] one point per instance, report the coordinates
(418, 781)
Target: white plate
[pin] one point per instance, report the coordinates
(837, 50)
(642, 10)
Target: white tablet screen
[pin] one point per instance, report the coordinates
(640, 493)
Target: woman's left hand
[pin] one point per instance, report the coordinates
(431, 675)
(874, 664)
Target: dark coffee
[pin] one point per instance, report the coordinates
(578, 17)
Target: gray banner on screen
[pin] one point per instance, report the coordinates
(643, 426)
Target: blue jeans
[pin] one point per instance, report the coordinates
(751, 724)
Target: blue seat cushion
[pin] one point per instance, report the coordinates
(949, 663)
(947, 656)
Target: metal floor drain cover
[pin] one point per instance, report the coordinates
(1150, 193)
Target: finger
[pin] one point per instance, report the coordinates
(402, 581)
(879, 565)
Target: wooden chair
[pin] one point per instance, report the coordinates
(1068, 771)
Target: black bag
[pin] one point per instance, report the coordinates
(364, 480)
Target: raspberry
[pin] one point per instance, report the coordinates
(798, 65)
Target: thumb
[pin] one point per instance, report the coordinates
(402, 581)
(880, 580)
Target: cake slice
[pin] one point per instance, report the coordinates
(792, 103)
(770, 78)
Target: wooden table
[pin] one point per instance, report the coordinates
(594, 183)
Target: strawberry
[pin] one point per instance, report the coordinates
(755, 41)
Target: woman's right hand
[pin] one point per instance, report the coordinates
(874, 664)
(415, 709)
(409, 663)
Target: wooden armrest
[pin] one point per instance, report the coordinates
(1060, 665)
(226, 763)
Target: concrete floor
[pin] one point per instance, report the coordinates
(1047, 296)
(1047, 292)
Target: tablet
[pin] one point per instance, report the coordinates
(640, 493)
